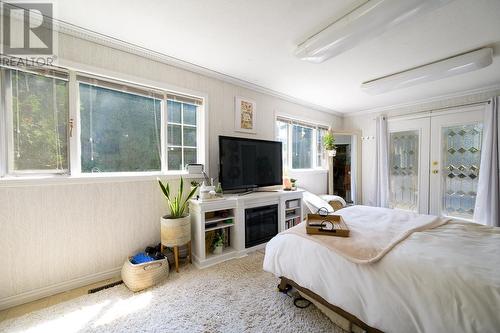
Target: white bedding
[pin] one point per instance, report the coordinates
(441, 280)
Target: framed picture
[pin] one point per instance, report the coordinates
(245, 115)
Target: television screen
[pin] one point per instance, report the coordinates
(248, 163)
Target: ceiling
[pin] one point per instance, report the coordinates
(254, 41)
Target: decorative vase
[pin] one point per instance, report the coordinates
(218, 249)
(332, 152)
(175, 232)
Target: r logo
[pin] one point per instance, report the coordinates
(27, 29)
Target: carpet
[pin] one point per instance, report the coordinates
(234, 296)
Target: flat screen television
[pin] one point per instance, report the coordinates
(249, 163)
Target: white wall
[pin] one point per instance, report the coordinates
(312, 181)
(366, 123)
(56, 236)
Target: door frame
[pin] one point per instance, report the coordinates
(464, 116)
(356, 190)
(422, 125)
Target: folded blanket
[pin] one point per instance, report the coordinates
(373, 231)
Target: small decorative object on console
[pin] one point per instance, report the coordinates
(287, 184)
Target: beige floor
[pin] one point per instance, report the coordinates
(23, 309)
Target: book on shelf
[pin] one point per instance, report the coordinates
(227, 237)
(292, 222)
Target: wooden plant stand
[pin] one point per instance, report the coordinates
(176, 254)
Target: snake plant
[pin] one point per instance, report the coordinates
(176, 203)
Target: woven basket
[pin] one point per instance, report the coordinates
(142, 276)
(175, 232)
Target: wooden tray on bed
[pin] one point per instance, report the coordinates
(314, 221)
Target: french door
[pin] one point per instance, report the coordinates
(435, 162)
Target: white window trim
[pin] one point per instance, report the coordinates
(314, 155)
(3, 134)
(75, 175)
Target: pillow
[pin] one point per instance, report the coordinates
(314, 203)
(330, 197)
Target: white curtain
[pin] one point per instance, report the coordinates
(487, 200)
(382, 165)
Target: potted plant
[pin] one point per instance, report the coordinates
(329, 143)
(218, 242)
(176, 226)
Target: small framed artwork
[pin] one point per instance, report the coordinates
(245, 115)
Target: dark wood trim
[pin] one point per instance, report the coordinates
(285, 282)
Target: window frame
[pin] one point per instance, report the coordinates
(74, 174)
(7, 126)
(167, 122)
(102, 84)
(314, 154)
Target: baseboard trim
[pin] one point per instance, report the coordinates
(39, 293)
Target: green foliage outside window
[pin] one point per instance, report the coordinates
(40, 118)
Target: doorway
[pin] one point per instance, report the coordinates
(342, 169)
(344, 177)
(434, 162)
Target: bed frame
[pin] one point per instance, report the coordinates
(285, 283)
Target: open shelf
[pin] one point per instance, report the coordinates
(225, 251)
(220, 226)
(218, 219)
(291, 217)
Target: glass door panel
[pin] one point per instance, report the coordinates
(403, 168)
(456, 157)
(409, 142)
(461, 157)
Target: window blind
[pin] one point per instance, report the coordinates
(123, 87)
(49, 72)
(301, 123)
(138, 89)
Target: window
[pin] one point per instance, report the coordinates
(116, 127)
(182, 134)
(302, 147)
(120, 131)
(302, 144)
(35, 121)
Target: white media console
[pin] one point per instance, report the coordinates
(234, 215)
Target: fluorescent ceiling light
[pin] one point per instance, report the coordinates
(456, 65)
(365, 22)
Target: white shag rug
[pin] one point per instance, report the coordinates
(234, 296)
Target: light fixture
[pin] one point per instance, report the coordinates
(366, 21)
(455, 65)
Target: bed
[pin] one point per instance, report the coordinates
(445, 279)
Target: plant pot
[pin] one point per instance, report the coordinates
(175, 232)
(218, 249)
(332, 152)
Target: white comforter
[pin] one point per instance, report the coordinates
(441, 280)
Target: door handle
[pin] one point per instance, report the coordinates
(435, 171)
